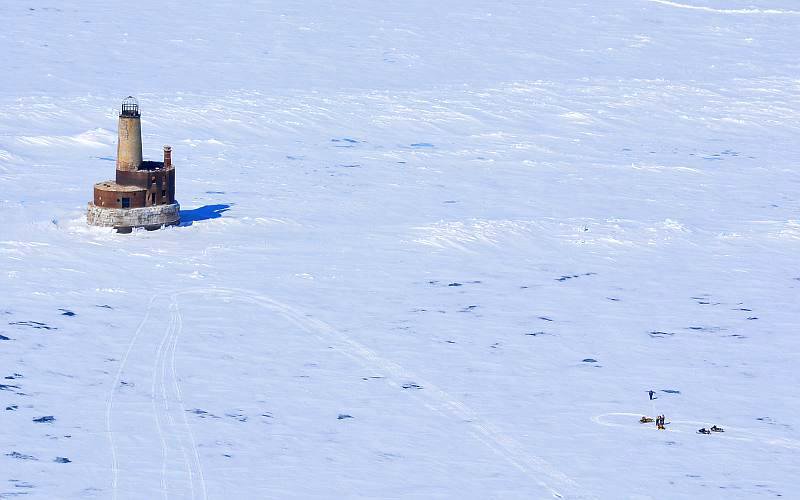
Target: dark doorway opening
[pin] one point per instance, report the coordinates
(126, 203)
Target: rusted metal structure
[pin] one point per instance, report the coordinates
(143, 192)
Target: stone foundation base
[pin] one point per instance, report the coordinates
(125, 219)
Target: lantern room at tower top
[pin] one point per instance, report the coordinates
(143, 192)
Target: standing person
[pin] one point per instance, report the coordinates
(651, 392)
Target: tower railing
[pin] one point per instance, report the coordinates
(130, 107)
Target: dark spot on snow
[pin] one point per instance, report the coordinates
(8, 387)
(433, 282)
(45, 419)
(343, 416)
(573, 276)
(11, 408)
(62, 460)
(106, 158)
(237, 416)
(535, 334)
(590, 360)
(345, 142)
(267, 415)
(671, 391)
(215, 192)
(468, 308)
(613, 299)
(743, 309)
(523, 287)
(202, 413)
(104, 306)
(670, 443)
(693, 475)
(658, 334)
(411, 385)
(226, 455)
(66, 312)
(454, 284)
(20, 456)
(354, 165)
(34, 324)
(705, 328)
(495, 345)
(294, 157)
(545, 318)
(3, 337)
(449, 341)
(12, 377)
(752, 318)
(450, 201)
(422, 145)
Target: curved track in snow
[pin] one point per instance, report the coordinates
(631, 420)
(179, 471)
(713, 10)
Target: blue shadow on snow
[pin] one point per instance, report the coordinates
(188, 217)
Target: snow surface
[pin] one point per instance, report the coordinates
(429, 250)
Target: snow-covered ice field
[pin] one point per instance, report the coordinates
(430, 250)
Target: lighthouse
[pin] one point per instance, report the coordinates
(143, 192)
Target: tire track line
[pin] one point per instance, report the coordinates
(179, 394)
(110, 401)
(435, 399)
(157, 368)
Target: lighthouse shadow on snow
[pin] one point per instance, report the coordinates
(206, 212)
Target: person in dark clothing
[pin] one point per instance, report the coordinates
(651, 392)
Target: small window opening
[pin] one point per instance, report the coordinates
(126, 203)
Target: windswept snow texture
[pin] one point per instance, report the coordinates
(430, 250)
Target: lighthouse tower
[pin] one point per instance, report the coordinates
(129, 143)
(143, 193)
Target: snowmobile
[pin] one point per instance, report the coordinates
(645, 420)
(704, 431)
(714, 428)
